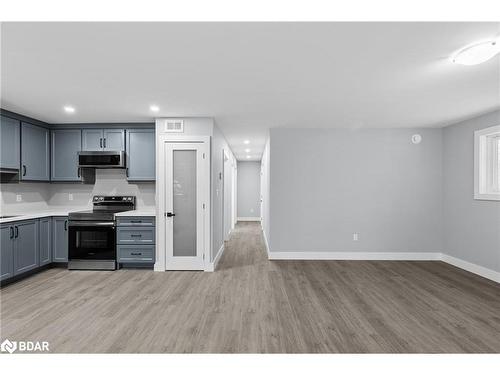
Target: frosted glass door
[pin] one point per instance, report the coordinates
(184, 205)
(184, 202)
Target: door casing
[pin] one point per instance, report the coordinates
(204, 186)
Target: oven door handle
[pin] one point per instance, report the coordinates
(91, 224)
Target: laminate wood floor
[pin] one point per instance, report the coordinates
(254, 305)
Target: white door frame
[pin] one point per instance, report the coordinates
(161, 219)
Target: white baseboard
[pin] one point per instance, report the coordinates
(325, 255)
(213, 265)
(248, 219)
(471, 267)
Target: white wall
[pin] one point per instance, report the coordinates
(221, 203)
(42, 196)
(249, 189)
(471, 227)
(327, 184)
(35, 197)
(265, 191)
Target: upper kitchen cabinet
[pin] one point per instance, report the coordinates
(103, 140)
(114, 140)
(141, 154)
(92, 139)
(9, 143)
(66, 143)
(35, 151)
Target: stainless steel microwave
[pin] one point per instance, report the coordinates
(101, 159)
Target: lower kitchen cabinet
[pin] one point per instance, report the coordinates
(6, 251)
(135, 240)
(26, 246)
(60, 239)
(45, 247)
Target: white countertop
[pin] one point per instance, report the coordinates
(63, 211)
(141, 212)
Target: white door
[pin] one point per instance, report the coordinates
(185, 205)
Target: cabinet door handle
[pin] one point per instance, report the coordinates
(100, 142)
(24, 170)
(65, 224)
(17, 232)
(135, 253)
(11, 232)
(78, 172)
(136, 221)
(136, 235)
(126, 171)
(104, 142)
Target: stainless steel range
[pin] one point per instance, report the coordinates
(92, 234)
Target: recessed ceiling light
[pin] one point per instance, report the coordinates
(246, 141)
(477, 53)
(247, 150)
(248, 156)
(69, 109)
(154, 108)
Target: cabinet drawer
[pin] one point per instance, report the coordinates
(136, 254)
(143, 221)
(133, 236)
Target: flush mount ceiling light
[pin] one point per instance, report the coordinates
(247, 150)
(246, 141)
(69, 109)
(248, 156)
(154, 108)
(477, 53)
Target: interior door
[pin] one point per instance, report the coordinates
(185, 205)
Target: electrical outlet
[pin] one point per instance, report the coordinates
(70, 196)
(19, 198)
(355, 236)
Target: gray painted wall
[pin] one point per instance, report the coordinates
(471, 227)
(248, 189)
(327, 184)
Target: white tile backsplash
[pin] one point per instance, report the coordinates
(41, 196)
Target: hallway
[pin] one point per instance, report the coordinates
(250, 304)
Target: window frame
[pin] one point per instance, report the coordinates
(486, 163)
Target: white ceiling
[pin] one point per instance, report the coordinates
(248, 76)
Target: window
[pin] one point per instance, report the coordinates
(487, 163)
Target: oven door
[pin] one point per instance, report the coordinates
(92, 240)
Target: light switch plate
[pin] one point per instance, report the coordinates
(19, 198)
(70, 196)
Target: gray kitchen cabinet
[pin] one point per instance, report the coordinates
(135, 235)
(114, 140)
(6, 251)
(141, 155)
(66, 143)
(26, 246)
(10, 141)
(92, 139)
(45, 241)
(59, 239)
(35, 153)
(103, 140)
(135, 239)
